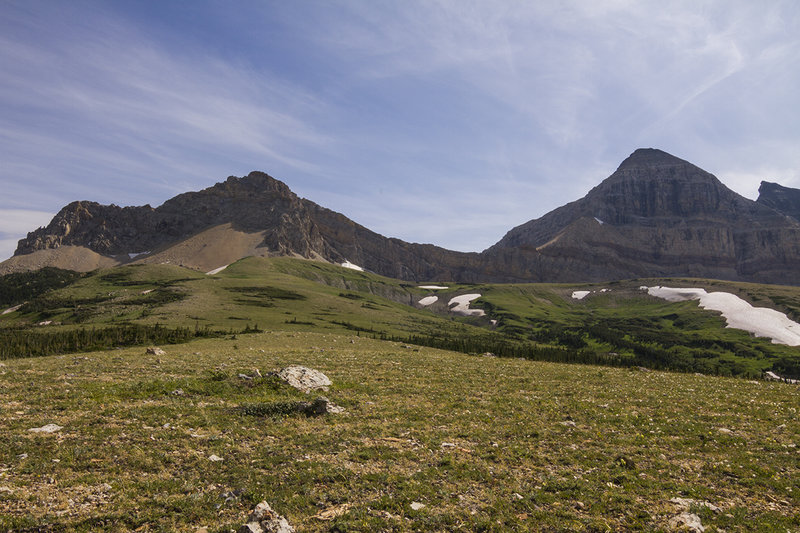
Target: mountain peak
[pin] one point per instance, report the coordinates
(649, 158)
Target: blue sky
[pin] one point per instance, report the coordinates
(447, 122)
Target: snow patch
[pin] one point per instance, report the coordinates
(432, 287)
(760, 321)
(12, 309)
(460, 305)
(599, 221)
(775, 377)
(217, 270)
(580, 295)
(429, 300)
(352, 266)
(134, 255)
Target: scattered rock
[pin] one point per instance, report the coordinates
(416, 506)
(257, 373)
(725, 431)
(568, 423)
(305, 379)
(49, 428)
(489, 354)
(333, 512)
(155, 350)
(214, 458)
(686, 522)
(264, 519)
(320, 406)
(245, 377)
(684, 504)
(178, 392)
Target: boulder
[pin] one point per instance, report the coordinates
(305, 379)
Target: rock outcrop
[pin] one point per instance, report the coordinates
(782, 199)
(656, 215)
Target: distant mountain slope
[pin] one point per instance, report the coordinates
(656, 215)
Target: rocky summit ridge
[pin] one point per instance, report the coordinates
(656, 215)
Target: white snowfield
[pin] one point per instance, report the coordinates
(433, 287)
(352, 266)
(134, 255)
(460, 305)
(580, 295)
(429, 300)
(760, 321)
(12, 309)
(217, 270)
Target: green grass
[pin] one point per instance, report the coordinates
(486, 443)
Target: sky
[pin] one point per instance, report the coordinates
(445, 122)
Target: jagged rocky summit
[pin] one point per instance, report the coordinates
(656, 215)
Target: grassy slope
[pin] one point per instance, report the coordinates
(299, 295)
(485, 443)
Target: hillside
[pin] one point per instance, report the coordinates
(656, 215)
(616, 324)
(494, 436)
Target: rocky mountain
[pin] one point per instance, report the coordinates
(783, 199)
(656, 215)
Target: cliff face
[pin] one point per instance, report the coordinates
(656, 215)
(783, 199)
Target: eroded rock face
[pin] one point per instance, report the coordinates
(783, 199)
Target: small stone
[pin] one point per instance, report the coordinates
(517, 495)
(416, 506)
(265, 519)
(568, 423)
(257, 373)
(214, 458)
(155, 350)
(245, 377)
(49, 428)
(725, 431)
(178, 392)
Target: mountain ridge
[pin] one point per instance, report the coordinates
(656, 215)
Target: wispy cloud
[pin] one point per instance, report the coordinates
(16, 223)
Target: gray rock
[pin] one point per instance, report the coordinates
(320, 406)
(155, 350)
(305, 379)
(686, 522)
(264, 519)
